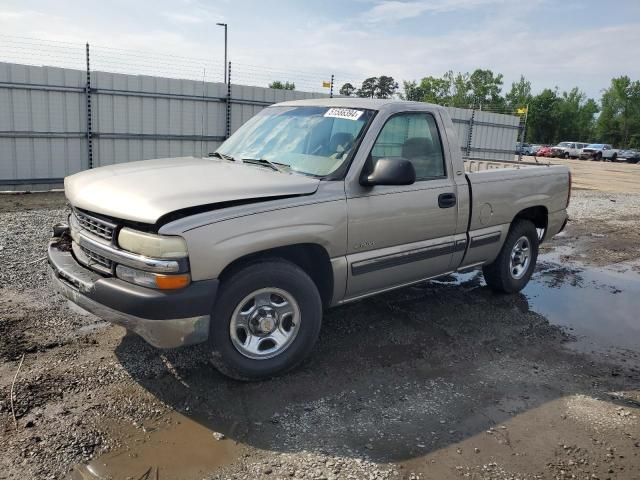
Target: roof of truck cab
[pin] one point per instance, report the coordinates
(351, 102)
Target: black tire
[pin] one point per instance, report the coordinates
(614, 157)
(499, 275)
(598, 157)
(272, 273)
(566, 155)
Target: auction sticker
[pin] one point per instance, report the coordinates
(346, 113)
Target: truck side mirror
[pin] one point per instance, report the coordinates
(390, 171)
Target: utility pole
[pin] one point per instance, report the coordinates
(225, 49)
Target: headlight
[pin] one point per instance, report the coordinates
(150, 245)
(152, 280)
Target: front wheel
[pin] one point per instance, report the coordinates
(266, 320)
(511, 270)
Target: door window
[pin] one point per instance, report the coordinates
(415, 137)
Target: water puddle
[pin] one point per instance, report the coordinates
(601, 305)
(180, 448)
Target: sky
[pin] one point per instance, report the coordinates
(552, 43)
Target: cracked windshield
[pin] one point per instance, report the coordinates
(309, 140)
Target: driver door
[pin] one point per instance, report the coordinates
(402, 234)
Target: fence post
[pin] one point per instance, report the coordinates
(523, 132)
(228, 133)
(331, 90)
(470, 132)
(89, 116)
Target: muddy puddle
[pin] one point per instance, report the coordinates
(600, 306)
(176, 448)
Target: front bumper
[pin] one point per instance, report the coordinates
(163, 319)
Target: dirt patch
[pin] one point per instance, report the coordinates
(617, 177)
(19, 202)
(602, 229)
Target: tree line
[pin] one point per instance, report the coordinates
(553, 116)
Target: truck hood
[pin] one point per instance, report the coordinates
(146, 190)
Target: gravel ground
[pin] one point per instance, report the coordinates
(614, 207)
(440, 380)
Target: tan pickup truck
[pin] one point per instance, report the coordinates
(309, 205)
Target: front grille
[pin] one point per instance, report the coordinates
(96, 226)
(94, 257)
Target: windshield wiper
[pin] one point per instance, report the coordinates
(223, 156)
(268, 163)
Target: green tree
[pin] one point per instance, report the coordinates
(576, 116)
(278, 85)
(347, 90)
(459, 88)
(481, 88)
(485, 88)
(386, 87)
(619, 122)
(520, 94)
(368, 88)
(555, 117)
(378, 87)
(542, 122)
(430, 89)
(412, 91)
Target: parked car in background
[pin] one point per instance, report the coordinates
(629, 156)
(544, 151)
(568, 149)
(523, 149)
(599, 151)
(535, 149)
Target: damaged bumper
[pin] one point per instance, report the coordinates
(163, 319)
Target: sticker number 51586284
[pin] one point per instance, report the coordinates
(346, 113)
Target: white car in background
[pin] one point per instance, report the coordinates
(599, 151)
(568, 149)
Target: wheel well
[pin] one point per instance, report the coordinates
(310, 257)
(538, 215)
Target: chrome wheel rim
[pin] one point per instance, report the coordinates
(520, 258)
(265, 323)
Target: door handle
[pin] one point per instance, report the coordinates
(447, 200)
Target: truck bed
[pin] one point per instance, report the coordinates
(499, 189)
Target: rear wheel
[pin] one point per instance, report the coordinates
(266, 320)
(511, 270)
